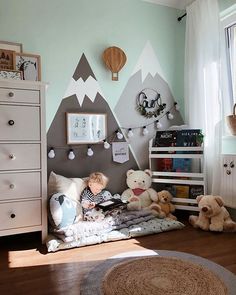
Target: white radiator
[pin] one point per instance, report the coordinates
(228, 180)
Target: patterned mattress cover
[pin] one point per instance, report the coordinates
(150, 226)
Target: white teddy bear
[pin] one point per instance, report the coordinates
(140, 195)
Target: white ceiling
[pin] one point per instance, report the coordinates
(179, 4)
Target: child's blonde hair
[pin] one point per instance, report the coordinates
(98, 177)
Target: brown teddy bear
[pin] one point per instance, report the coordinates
(139, 194)
(164, 201)
(213, 215)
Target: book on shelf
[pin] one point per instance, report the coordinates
(173, 165)
(195, 190)
(179, 138)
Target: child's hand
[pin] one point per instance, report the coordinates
(91, 205)
(88, 205)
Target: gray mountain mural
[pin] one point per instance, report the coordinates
(82, 83)
(126, 108)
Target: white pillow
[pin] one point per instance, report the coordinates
(71, 187)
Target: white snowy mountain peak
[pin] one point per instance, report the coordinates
(148, 63)
(82, 88)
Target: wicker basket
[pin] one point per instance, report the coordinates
(231, 121)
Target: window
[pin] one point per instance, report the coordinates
(231, 59)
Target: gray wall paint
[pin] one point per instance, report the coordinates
(128, 116)
(83, 165)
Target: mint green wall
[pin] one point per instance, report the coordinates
(60, 31)
(224, 4)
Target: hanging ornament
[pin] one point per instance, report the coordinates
(130, 133)
(119, 134)
(71, 154)
(169, 116)
(149, 103)
(106, 144)
(176, 106)
(145, 130)
(90, 152)
(51, 154)
(158, 124)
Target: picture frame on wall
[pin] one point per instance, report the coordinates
(7, 59)
(30, 66)
(17, 47)
(10, 74)
(86, 128)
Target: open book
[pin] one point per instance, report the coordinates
(111, 204)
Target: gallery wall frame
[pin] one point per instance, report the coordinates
(29, 64)
(86, 128)
(17, 47)
(11, 74)
(7, 59)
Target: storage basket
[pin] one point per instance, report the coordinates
(231, 121)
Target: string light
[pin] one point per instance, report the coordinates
(169, 116)
(158, 124)
(119, 134)
(176, 106)
(51, 154)
(145, 130)
(106, 144)
(130, 133)
(90, 151)
(71, 154)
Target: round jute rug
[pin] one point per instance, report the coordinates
(158, 272)
(162, 276)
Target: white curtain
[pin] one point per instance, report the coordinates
(202, 99)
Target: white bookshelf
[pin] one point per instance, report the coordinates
(195, 177)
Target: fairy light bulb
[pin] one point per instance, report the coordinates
(90, 152)
(51, 154)
(119, 134)
(176, 106)
(130, 133)
(158, 124)
(71, 155)
(145, 130)
(106, 145)
(169, 116)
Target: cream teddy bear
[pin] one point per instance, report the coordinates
(139, 194)
(164, 201)
(213, 215)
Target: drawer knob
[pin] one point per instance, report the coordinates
(11, 94)
(11, 122)
(12, 157)
(13, 215)
(12, 186)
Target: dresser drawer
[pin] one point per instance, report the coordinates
(19, 156)
(19, 123)
(20, 214)
(20, 185)
(19, 95)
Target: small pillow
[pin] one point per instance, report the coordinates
(62, 211)
(71, 187)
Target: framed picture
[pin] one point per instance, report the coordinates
(7, 58)
(85, 128)
(29, 65)
(11, 74)
(17, 47)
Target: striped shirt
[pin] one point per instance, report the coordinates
(88, 196)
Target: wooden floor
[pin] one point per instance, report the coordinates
(27, 268)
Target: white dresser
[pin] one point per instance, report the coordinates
(23, 178)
